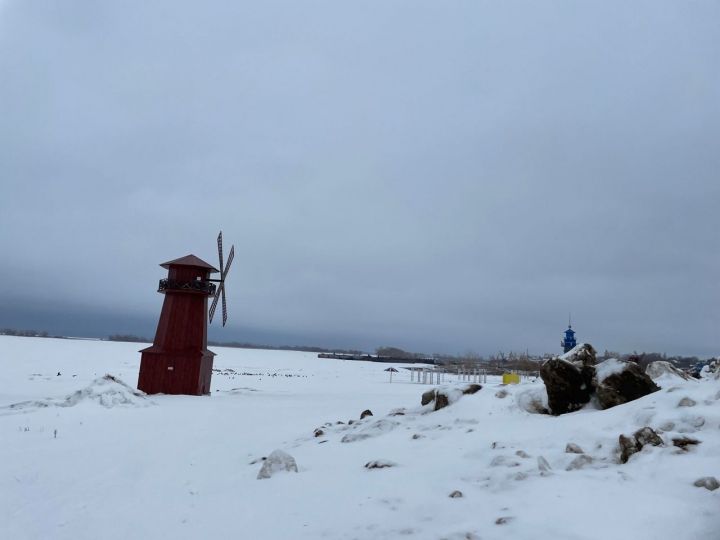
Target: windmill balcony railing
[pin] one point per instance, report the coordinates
(198, 286)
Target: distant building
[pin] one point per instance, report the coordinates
(568, 341)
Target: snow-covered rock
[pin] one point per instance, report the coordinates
(708, 482)
(579, 462)
(583, 354)
(633, 444)
(277, 461)
(619, 382)
(572, 448)
(660, 368)
(446, 395)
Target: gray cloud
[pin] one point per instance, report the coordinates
(440, 177)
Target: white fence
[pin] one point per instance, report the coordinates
(422, 375)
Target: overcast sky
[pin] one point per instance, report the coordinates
(439, 176)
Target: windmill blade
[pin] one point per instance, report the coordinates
(224, 305)
(231, 256)
(220, 253)
(215, 301)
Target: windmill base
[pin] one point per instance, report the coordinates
(175, 372)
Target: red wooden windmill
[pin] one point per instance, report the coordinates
(179, 362)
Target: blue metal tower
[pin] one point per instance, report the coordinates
(568, 341)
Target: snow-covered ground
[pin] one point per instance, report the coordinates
(84, 457)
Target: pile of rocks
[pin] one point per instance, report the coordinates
(574, 378)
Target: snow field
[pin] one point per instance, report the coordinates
(187, 466)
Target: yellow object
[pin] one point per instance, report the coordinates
(511, 378)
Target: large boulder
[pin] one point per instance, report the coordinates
(619, 382)
(568, 385)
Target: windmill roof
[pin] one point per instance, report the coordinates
(190, 260)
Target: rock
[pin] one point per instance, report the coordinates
(456, 494)
(684, 442)
(380, 464)
(444, 396)
(708, 482)
(503, 520)
(572, 448)
(319, 432)
(581, 355)
(579, 462)
(619, 382)
(543, 464)
(660, 368)
(687, 402)
(568, 387)
(397, 412)
(647, 435)
(628, 447)
(522, 454)
(277, 461)
(441, 401)
(366, 412)
(502, 393)
(635, 443)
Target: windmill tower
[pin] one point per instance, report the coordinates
(179, 362)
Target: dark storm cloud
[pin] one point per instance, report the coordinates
(437, 176)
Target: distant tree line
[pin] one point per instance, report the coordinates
(23, 333)
(395, 352)
(301, 348)
(239, 345)
(128, 338)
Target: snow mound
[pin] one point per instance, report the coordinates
(533, 400)
(108, 391)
